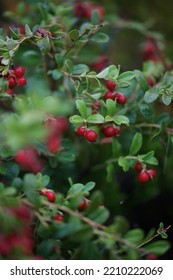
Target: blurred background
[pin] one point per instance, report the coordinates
(144, 206)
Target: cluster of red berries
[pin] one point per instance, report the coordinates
(112, 131)
(112, 94)
(145, 174)
(19, 239)
(16, 77)
(89, 134)
(86, 9)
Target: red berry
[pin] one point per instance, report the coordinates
(151, 81)
(117, 131)
(121, 99)
(152, 173)
(9, 91)
(111, 85)
(50, 196)
(83, 205)
(81, 130)
(152, 257)
(19, 71)
(59, 218)
(110, 95)
(96, 105)
(138, 167)
(11, 82)
(143, 177)
(21, 81)
(91, 135)
(109, 131)
(54, 144)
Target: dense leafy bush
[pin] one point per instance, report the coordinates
(80, 136)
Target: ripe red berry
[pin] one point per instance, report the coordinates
(151, 81)
(117, 131)
(81, 130)
(83, 205)
(59, 218)
(91, 135)
(121, 99)
(19, 71)
(138, 167)
(21, 81)
(9, 91)
(51, 197)
(152, 173)
(111, 85)
(11, 82)
(110, 95)
(144, 177)
(109, 131)
(152, 257)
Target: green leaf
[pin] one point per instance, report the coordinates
(142, 80)
(59, 60)
(44, 44)
(56, 74)
(80, 69)
(82, 235)
(66, 156)
(134, 236)
(100, 38)
(2, 43)
(109, 119)
(89, 186)
(75, 119)
(113, 72)
(95, 17)
(103, 73)
(96, 118)
(28, 30)
(111, 107)
(120, 119)
(75, 189)
(166, 99)
(100, 215)
(152, 161)
(110, 171)
(74, 35)
(150, 96)
(126, 76)
(146, 111)
(10, 191)
(123, 162)
(82, 108)
(136, 144)
(158, 247)
(11, 44)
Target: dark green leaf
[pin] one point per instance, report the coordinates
(146, 111)
(100, 215)
(135, 235)
(110, 171)
(44, 45)
(82, 235)
(74, 35)
(80, 69)
(100, 38)
(56, 74)
(142, 80)
(158, 247)
(136, 144)
(75, 189)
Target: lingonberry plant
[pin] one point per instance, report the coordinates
(71, 118)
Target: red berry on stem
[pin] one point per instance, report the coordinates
(50, 196)
(11, 82)
(121, 99)
(19, 71)
(109, 131)
(81, 130)
(152, 173)
(83, 205)
(9, 91)
(91, 135)
(138, 167)
(151, 81)
(21, 81)
(111, 85)
(110, 95)
(59, 218)
(144, 177)
(117, 131)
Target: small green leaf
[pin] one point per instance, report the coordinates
(113, 72)
(123, 162)
(142, 80)
(120, 119)
(103, 73)
(166, 99)
(136, 144)
(111, 106)
(110, 170)
(74, 35)
(28, 30)
(146, 111)
(59, 60)
(152, 161)
(56, 74)
(100, 215)
(80, 69)
(82, 108)
(108, 119)
(11, 44)
(134, 236)
(89, 186)
(100, 38)
(126, 76)
(158, 247)
(2, 43)
(44, 44)
(150, 96)
(75, 189)
(96, 118)
(75, 119)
